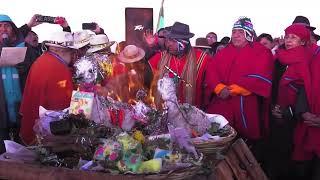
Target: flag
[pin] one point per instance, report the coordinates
(160, 23)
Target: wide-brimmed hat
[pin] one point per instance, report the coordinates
(304, 21)
(81, 38)
(179, 31)
(99, 42)
(202, 43)
(61, 40)
(131, 54)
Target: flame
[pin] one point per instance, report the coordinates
(153, 89)
(118, 98)
(124, 87)
(131, 84)
(134, 83)
(132, 101)
(150, 101)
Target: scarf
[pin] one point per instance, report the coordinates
(12, 90)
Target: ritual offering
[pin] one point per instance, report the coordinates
(81, 102)
(211, 132)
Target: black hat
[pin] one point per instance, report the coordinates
(303, 20)
(180, 31)
(316, 36)
(168, 28)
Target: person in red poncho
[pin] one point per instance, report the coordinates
(184, 61)
(307, 145)
(49, 83)
(297, 80)
(238, 79)
(301, 79)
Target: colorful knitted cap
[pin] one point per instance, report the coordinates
(245, 24)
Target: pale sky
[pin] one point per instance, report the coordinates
(203, 16)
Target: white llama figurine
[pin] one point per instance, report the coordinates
(185, 115)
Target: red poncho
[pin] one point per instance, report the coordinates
(49, 84)
(306, 138)
(249, 67)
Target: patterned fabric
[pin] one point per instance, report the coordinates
(178, 66)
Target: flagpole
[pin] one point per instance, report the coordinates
(160, 14)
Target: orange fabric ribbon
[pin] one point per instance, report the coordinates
(219, 88)
(238, 90)
(234, 89)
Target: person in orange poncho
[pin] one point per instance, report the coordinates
(238, 83)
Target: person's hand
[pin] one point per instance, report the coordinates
(276, 111)
(278, 41)
(315, 122)
(311, 119)
(33, 21)
(225, 93)
(149, 38)
(97, 29)
(61, 21)
(281, 41)
(307, 116)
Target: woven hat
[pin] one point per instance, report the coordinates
(81, 39)
(131, 54)
(61, 40)
(99, 42)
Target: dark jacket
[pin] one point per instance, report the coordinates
(23, 69)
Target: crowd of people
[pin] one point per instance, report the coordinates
(265, 87)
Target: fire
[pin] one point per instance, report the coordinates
(150, 101)
(124, 87)
(118, 98)
(132, 101)
(132, 80)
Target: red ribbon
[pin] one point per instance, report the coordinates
(117, 117)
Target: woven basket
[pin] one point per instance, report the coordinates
(215, 146)
(182, 174)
